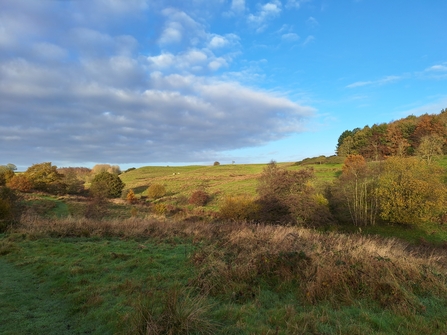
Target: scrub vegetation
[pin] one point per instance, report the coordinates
(330, 245)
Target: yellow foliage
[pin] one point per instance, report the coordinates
(411, 190)
(241, 208)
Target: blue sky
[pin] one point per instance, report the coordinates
(154, 82)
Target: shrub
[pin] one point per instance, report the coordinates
(8, 207)
(107, 185)
(160, 209)
(239, 208)
(289, 197)
(156, 191)
(131, 198)
(20, 182)
(216, 163)
(199, 198)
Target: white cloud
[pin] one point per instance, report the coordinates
(290, 37)
(437, 68)
(295, 3)
(311, 22)
(308, 40)
(49, 51)
(265, 13)
(85, 92)
(382, 81)
(238, 6)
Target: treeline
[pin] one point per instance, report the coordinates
(46, 177)
(424, 135)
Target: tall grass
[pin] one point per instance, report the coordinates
(319, 266)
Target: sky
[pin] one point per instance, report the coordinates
(182, 82)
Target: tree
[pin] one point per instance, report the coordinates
(44, 177)
(430, 147)
(355, 191)
(131, 197)
(107, 185)
(410, 190)
(5, 174)
(98, 168)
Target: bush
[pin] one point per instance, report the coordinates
(107, 185)
(288, 196)
(131, 198)
(156, 191)
(160, 209)
(239, 208)
(20, 182)
(216, 163)
(8, 207)
(199, 198)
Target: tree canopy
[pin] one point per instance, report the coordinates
(425, 134)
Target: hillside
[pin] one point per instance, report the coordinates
(218, 181)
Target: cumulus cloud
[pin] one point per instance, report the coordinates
(82, 93)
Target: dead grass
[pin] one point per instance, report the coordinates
(236, 257)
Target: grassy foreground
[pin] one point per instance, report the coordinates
(152, 276)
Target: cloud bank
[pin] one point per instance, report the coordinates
(129, 82)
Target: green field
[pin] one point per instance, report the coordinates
(130, 272)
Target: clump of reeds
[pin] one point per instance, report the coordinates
(178, 311)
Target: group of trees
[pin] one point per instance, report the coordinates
(424, 136)
(402, 190)
(46, 177)
(397, 190)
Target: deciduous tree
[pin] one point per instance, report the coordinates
(410, 190)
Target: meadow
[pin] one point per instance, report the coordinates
(133, 272)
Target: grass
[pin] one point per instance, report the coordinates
(138, 275)
(219, 181)
(132, 273)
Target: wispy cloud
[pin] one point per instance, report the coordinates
(309, 39)
(264, 14)
(295, 3)
(290, 37)
(382, 81)
(312, 23)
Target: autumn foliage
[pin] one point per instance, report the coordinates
(401, 138)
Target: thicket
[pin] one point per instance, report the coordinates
(398, 190)
(289, 197)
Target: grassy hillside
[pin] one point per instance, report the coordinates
(218, 181)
